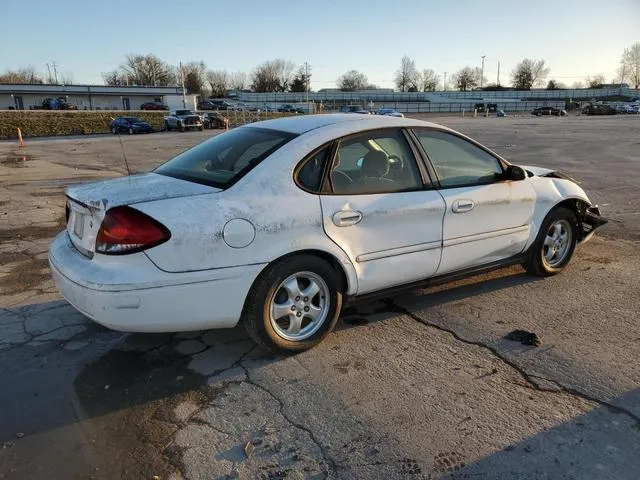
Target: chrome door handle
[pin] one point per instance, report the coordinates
(461, 206)
(346, 218)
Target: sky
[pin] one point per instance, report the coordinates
(576, 38)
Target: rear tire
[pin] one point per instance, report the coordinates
(554, 245)
(277, 314)
(114, 130)
(131, 131)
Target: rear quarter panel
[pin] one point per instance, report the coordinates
(286, 220)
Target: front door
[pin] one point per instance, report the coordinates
(487, 218)
(382, 211)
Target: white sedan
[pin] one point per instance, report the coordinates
(277, 224)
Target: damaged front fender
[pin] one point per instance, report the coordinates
(589, 219)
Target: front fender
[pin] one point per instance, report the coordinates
(551, 191)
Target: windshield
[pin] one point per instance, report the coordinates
(225, 158)
(184, 112)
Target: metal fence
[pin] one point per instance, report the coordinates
(459, 107)
(436, 97)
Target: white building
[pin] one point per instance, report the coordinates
(85, 97)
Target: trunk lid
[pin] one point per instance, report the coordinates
(88, 203)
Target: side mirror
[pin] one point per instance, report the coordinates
(515, 173)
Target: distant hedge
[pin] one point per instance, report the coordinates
(44, 123)
(39, 123)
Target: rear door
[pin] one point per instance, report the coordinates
(381, 210)
(487, 218)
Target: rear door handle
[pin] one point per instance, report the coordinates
(346, 218)
(462, 206)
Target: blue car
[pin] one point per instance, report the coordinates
(130, 125)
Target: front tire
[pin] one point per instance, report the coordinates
(294, 304)
(167, 127)
(131, 131)
(114, 130)
(554, 245)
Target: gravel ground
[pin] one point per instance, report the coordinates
(419, 386)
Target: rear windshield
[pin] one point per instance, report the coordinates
(224, 159)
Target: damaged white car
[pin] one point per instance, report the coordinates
(278, 224)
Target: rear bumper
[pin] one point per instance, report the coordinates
(131, 294)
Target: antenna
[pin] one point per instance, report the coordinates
(124, 154)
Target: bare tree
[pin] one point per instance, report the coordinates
(630, 64)
(194, 76)
(428, 81)
(352, 80)
(595, 81)
(467, 78)
(273, 76)
(577, 85)
(238, 81)
(147, 70)
(529, 73)
(66, 78)
(23, 75)
(406, 75)
(218, 81)
(114, 78)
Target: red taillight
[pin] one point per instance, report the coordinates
(125, 230)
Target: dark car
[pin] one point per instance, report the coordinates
(599, 110)
(289, 109)
(212, 120)
(548, 111)
(214, 105)
(130, 125)
(153, 106)
(483, 108)
(353, 109)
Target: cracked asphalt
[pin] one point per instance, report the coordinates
(419, 386)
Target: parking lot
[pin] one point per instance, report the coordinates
(419, 386)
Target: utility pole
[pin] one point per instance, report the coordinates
(444, 84)
(498, 82)
(184, 99)
(482, 71)
(55, 70)
(306, 81)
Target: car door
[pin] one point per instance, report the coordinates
(380, 208)
(487, 218)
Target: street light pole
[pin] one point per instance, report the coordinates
(482, 71)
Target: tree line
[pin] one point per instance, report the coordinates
(280, 75)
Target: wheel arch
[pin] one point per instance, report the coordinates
(579, 208)
(346, 284)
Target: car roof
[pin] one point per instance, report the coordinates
(351, 123)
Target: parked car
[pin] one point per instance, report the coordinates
(289, 109)
(60, 103)
(153, 106)
(548, 111)
(390, 112)
(353, 109)
(212, 120)
(183, 120)
(224, 232)
(215, 105)
(130, 125)
(599, 109)
(482, 107)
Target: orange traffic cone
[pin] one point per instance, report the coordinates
(20, 142)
